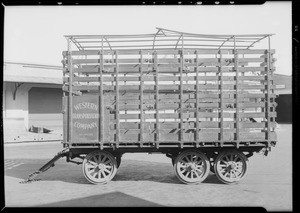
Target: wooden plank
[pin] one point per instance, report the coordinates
(237, 89)
(197, 98)
(188, 105)
(117, 100)
(201, 115)
(202, 95)
(221, 103)
(70, 90)
(141, 100)
(202, 62)
(157, 87)
(204, 137)
(101, 108)
(167, 61)
(187, 125)
(172, 88)
(90, 69)
(181, 94)
(168, 52)
(267, 110)
(151, 78)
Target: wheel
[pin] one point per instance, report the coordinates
(118, 159)
(231, 166)
(99, 167)
(191, 167)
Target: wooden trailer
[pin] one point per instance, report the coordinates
(206, 101)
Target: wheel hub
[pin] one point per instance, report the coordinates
(233, 166)
(101, 166)
(191, 167)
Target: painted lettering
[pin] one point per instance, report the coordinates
(85, 125)
(86, 105)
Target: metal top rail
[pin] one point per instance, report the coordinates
(164, 39)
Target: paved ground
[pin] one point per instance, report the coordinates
(146, 180)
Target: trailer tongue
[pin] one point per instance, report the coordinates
(47, 166)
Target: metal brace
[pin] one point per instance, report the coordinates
(47, 166)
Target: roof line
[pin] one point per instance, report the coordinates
(37, 65)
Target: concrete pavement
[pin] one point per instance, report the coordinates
(146, 180)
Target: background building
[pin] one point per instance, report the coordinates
(32, 96)
(284, 99)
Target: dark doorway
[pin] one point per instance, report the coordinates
(284, 108)
(45, 107)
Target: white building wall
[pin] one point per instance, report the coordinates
(16, 109)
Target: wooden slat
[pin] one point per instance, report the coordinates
(90, 69)
(187, 125)
(237, 95)
(167, 61)
(70, 90)
(157, 87)
(204, 137)
(117, 100)
(190, 107)
(150, 79)
(172, 88)
(268, 55)
(201, 115)
(170, 52)
(181, 95)
(141, 100)
(221, 103)
(197, 99)
(101, 108)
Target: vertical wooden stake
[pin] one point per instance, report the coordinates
(141, 100)
(181, 95)
(268, 90)
(221, 102)
(117, 100)
(156, 98)
(197, 100)
(101, 98)
(70, 68)
(237, 94)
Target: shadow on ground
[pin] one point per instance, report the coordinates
(130, 170)
(112, 199)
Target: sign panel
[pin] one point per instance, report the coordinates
(85, 118)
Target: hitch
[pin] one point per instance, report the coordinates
(47, 166)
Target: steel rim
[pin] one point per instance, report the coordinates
(99, 167)
(231, 166)
(191, 167)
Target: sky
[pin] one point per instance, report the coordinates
(35, 34)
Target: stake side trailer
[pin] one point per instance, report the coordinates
(206, 101)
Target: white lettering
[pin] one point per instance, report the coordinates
(85, 126)
(86, 105)
(85, 115)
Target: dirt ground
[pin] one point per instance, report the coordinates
(146, 180)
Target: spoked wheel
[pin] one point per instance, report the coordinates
(191, 167)
(99, 167)
(231, 166)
